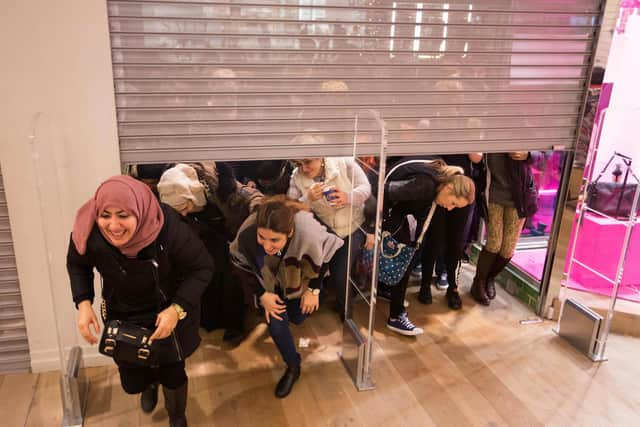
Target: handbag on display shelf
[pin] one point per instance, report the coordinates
(614, 199)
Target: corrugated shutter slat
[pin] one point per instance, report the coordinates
(238, 80)
(14, 346)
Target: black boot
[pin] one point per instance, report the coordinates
(453, 298)
(479, 286)
(284, 386)
(498, 265)
(424, 296)
(175, 400)
(149, 398)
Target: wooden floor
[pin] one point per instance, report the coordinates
(478, 367)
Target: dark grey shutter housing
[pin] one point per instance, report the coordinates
(239, 79)
(14, 347)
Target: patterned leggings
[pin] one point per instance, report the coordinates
(503, 229)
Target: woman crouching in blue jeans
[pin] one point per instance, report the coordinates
(288, 251)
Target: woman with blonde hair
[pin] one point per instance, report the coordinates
(417, 187)
(446, 238)
(336, 189)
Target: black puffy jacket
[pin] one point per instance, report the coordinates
(184, 271)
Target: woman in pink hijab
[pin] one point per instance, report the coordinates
(154, 270)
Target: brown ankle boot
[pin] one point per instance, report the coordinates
(483, 268)
(498, 265)
(479, 291)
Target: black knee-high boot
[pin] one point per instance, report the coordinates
(498, 265)
(149, 398)
(483, 268)
(175, 400)
(453, 297)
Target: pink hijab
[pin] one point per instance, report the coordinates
(130, 195)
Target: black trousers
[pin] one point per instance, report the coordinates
(446, 234)
(137, 379)
(398, 292)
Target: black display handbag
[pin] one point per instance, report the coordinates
(614, 199)
(127, 341)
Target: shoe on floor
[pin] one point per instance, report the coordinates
(453, 299)
(442, 282)
(289, 378)
(424, 296)
(149, 398)
(416, 273)
(403, 326)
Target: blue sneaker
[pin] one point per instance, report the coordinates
(403, 326)
(442, 282)
(416, 273)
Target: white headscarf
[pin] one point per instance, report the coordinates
(179, 185)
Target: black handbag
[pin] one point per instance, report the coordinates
(614, 199)
(127, 341)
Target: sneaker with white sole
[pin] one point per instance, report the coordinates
(403, 326)
(442, 281)
(416, 273)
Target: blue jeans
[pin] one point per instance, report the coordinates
(338, 267)
(281, 334)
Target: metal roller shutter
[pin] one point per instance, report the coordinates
(239, 79)
(14, 347)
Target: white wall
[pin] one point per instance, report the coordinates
(606, 34)
(55, 61)
(620, 130)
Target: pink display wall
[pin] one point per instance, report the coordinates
(599, 242)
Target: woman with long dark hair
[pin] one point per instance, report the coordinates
(288, 251)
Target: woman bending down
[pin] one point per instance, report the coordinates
(287, 250)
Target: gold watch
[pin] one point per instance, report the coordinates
(181, 313)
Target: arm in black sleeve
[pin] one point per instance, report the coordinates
(316, 283)
(416, 188)
(190, 256)
(80, 272)
(370, 210)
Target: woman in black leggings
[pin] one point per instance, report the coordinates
(411, 189)
(446, 236)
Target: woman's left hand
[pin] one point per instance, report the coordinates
(309, 302)
(339, 198)
(165, 324)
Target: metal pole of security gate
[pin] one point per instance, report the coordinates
(357, 347)
(73, 388)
